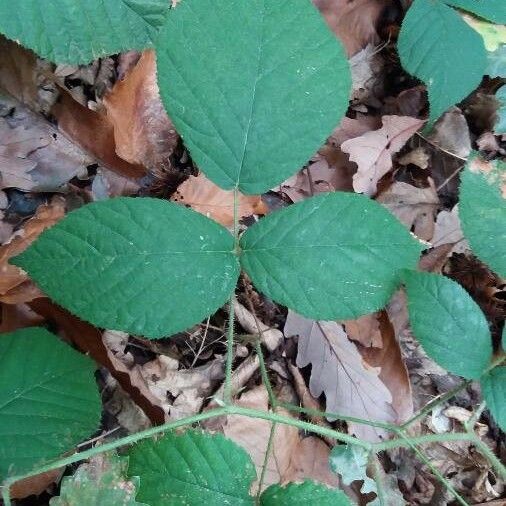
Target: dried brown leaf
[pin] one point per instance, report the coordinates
(205, 197)
(415, 207)
(143, 132)
(373, 151)
(351, 386)
(15, 285)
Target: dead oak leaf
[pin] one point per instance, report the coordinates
(373, 151)
(351, 386)
(203, 196)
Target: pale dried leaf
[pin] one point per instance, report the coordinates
(203, 196)
(373, 151)
(417, 156)
(351, 386)
(415, 207)
(451, 133)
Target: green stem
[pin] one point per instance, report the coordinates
(435, 471)
(421, 440)
(435, 402)
(227, 390)
(489, 454)
(265, 375)
(378, 478)
(268, 450)
(323, 414)
(133, 438)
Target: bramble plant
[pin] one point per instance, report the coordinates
(251, 112)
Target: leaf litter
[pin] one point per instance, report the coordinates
(70, 135)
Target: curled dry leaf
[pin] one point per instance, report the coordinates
(143, 132)
(270, 337)
(292, 458)
(451, 133)
(415, 207)
(373, 151)
(15, 285)
(205, 197)
(353, 22)
(352, 387)
(417, 156)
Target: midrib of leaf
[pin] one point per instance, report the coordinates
(253, 97)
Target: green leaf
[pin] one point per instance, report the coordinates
(493, 386)
(192, 469)
(448, 323)
(303, 494)
(324, 257)
(433, 38)
(350, 461)
(492, 10)
(500, 125)
(145, 266)
(497, 62)
(254, 87)
(49, 400)
(482, 211)
(66, 31)
(99, 482)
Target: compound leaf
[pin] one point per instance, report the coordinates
(49, 400)
(302, 494)
(482, 211)
(192, 469)
(324, 258)
(145, 266)
(254, 111)
(350, 461)
(448, 323)
(99, 482)
(66, 31)
(492, 10)
(493, 386)
(433, 37)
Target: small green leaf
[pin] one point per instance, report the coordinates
(324, 257)
(493, 386)
(497, 62)
(254, 110)
(145, 266)
(492, 10)
(482, 211)
(66, 31)
(192, 469)
(99, 482)
(350, 461)
(448, 323)
(303, 494)
(49, 400)
(433, 37)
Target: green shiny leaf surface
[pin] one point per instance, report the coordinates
(192, 469)
(303, 494)
(491, 10)
(49, 400)
(433, 37)
(144, 266)
(448, 324)
(66, 31)
(493, 387)
(254, 87)
(482, 211)
(324, 257)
